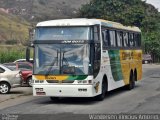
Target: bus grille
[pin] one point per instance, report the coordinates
(58, 81)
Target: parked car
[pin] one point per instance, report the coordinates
(146, 59)
(23, 60)
(26, 71)
(8, 79)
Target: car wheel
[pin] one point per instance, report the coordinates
(4, 88)
(29, 82)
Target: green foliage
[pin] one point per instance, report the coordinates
(11, 53)
(129, 12)
(11, 42)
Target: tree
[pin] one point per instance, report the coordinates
(129, 12)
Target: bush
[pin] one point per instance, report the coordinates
(11, 42)
(10, 54)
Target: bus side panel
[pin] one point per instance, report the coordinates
(125, 63)
(137, 57)
(115, 64)
(131, 60)
(111, 67)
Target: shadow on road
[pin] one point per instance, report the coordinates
(86, 101)
(16, 92)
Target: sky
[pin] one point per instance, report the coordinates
(156, 3)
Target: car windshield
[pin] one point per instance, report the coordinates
(62, 59)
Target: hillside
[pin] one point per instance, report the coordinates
(13, 13)
(53, 9)
(37, 10)
(12, 29)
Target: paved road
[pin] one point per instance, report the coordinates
(145, 98)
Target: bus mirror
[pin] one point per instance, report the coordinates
(28, 54)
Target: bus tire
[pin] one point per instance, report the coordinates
(104, 90)
(131, 84)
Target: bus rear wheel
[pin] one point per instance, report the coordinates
(104, 90)
(131, 84)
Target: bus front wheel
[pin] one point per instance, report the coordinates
(104, 90)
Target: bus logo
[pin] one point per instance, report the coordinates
(73, 41)
(50, 78)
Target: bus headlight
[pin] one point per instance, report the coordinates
(90, 81)
(84, 81)
(41, 81)
(38, 81)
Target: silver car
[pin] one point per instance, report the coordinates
(8, 79)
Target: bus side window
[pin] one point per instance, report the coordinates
(125, 39)
(137, 38)
(97, 59)
(112, 37)
(131, 40)
(96, 32)
(105, 38)
(119, 39)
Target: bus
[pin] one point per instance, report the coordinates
(85, 58)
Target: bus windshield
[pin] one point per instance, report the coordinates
(63, 33)
(55, 59)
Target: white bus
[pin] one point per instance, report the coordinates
(85, 58)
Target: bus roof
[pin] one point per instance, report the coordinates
(86, 22)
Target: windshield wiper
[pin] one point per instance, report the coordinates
(63, 59)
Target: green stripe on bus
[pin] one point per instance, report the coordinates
(115, 64)
(77, 77)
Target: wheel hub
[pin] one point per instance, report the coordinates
(3, 88)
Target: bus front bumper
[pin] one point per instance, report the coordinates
(64, 90)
